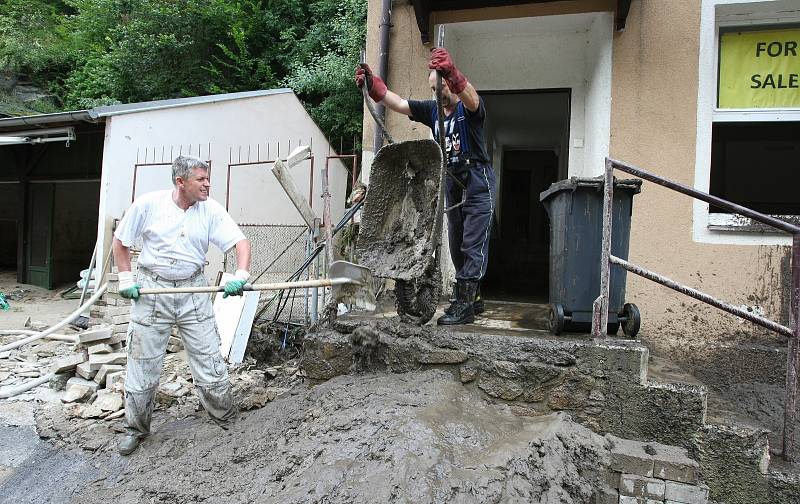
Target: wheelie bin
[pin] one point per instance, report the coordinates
(575, 208)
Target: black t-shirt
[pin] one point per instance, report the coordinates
(464, 139)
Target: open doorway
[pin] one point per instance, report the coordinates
(528, 136)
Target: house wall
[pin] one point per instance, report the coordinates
(227, 132)
(653, 124)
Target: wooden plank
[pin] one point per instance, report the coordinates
(285, 180)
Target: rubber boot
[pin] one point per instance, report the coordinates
(128, 444)
(453, 299)
(477, 305)
(462, 312)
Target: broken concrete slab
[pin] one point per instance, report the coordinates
(100, 348)
(97, 334)
(104, 370)
(110, 358)
(78, 389)
(68, 363)
(108, 401)
(85, 370)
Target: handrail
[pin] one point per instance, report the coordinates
(600, 306)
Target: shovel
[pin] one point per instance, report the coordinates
(349, 283)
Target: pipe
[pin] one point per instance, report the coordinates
(92, 300)
(7, 392)
(383, 64)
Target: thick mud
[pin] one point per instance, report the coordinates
(414, 437)
(399, 210)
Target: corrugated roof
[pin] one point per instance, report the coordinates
(98, 113)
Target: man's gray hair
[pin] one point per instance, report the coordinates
(183, 165)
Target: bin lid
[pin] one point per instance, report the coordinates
(594, 183)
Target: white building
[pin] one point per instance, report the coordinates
(68, 177)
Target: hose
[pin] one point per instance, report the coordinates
(24, 332)
(24, 387)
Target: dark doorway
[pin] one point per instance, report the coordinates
(528, 136)
(518, 262)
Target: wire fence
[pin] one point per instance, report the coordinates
(277, 251)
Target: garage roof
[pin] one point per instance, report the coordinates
(98, 114)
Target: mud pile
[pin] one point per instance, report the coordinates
(414, 437)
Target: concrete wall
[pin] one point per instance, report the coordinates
(227, 132)
(654, 120)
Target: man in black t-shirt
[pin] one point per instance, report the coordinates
(469, 225)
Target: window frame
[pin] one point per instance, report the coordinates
(731, 228)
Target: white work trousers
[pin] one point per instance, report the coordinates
(152, 318)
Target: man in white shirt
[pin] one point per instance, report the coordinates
(176, 227)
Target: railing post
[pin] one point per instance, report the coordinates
(792, 358)
(600, 305)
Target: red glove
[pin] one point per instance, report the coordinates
(375, 85)
(443, 63)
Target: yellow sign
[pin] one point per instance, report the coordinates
(759, 69)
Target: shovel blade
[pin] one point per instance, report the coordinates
(360, 292)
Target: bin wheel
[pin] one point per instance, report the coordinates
(632, 319)
(556, 319)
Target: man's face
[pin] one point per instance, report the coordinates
(448, 98)
(195, 187)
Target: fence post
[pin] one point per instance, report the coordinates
(792, 358)
(600, 305)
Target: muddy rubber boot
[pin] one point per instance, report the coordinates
(453, 299)
(462, 310)
(477, 305)
(128, 444)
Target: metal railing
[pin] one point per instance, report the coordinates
(600, 306)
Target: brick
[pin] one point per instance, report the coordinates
(117, 338)
(105, 370)
(638, 486)
(686, 494)
(94, 335)
(100, 348)
(121, 319)
(676, 471)
(110, 358)
(114, 311)
(68, 363)
(85, 371)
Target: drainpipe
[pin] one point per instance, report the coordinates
(383, 64)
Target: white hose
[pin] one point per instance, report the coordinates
(7, 392)
(92, 300)
(25, 332)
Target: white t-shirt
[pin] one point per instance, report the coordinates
(175, 241)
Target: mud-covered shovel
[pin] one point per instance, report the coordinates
(349, 283)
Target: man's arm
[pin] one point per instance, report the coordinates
(470, 98)
(243, 254)
(379, 92)
(122, 258)
(122, 255)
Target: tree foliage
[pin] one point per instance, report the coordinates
(94, 52)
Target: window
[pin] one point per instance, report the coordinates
(748, 138)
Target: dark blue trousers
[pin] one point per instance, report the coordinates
(470, 225)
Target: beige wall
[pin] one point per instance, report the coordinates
(653, 125)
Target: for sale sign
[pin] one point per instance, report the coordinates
(759, 69)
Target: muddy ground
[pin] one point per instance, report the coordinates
(362, 438)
